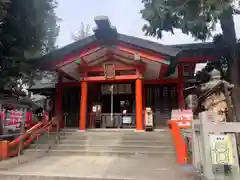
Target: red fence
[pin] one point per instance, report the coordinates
(11, 148)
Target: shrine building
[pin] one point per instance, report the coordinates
(108, 72)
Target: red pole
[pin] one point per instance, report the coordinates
(83, 106)
(139, 105)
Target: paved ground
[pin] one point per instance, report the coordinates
(139, 164)
(105, 167)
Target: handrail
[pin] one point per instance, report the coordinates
(25, 143)
(36, 133)
(23, 136)
(178, 139)
(15, 147)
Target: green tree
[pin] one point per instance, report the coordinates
(197, 18)
(3, 4)
(29, 28)
(221, 63)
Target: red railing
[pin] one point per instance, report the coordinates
(178, 139)
(10, 149)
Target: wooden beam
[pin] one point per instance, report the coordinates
(116, 78)
(83, 61)
(196, 59)
(73, 57)
(128, 59)
(150, 57)
(66, 75)
(113, 60)
(140, 66)
(70, 84)
(100, 57)
(108, 55)
(164, 81)
(101, 68)
(143, 50)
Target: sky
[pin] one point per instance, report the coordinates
(124, 14)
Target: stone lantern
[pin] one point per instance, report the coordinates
(215, 100)
(192, 101)
(192, 98)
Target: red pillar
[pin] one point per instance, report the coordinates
(83, 106)
(139, 106)
(58, 106)
(181, 100)
(144, 97)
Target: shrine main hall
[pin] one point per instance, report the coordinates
(103, 74)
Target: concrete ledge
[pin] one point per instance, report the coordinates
(139, 130)
(161, 130)
(81, 130)
(40, 176)
(110, 130)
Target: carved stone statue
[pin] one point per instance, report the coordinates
(215, 96)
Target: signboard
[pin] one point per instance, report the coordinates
(127, 120)
(221, 149)
(148, 117)
(12, 118)
(109, 71)
(178, 114)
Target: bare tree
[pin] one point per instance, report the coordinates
(83, 32)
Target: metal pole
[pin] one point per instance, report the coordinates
(2, 125)
(65, 120)
(111, 89)
(22, 131)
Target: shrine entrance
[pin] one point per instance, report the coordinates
(116, 102)
(71, 106)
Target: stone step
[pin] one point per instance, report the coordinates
(116, 132)
(112, 136)
(113, 147)
(111, 130)
(94, 152)
(69, 177)
(45, 177)
(123, 142)
(99, 147)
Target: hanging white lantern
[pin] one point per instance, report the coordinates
(192, 101)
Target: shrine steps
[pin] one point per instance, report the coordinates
(109, 142)
(111, 155)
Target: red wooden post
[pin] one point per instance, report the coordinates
(139, 106)
(179, 142)
(3, 150)
(83, 106)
